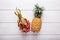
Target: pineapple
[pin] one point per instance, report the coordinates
(37, 22)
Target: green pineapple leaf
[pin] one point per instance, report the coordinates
(38, 11)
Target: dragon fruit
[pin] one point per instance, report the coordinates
(23, 23)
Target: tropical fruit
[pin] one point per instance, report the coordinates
(37, 21)
(23, 23)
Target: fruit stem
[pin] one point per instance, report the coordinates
(18, 13)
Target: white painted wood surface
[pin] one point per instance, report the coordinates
(8, 21)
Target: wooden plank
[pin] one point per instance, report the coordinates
(29, 4)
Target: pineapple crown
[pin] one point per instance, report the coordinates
(38, 11)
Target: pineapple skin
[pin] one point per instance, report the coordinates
(36, 24)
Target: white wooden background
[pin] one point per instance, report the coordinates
(51, 20)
